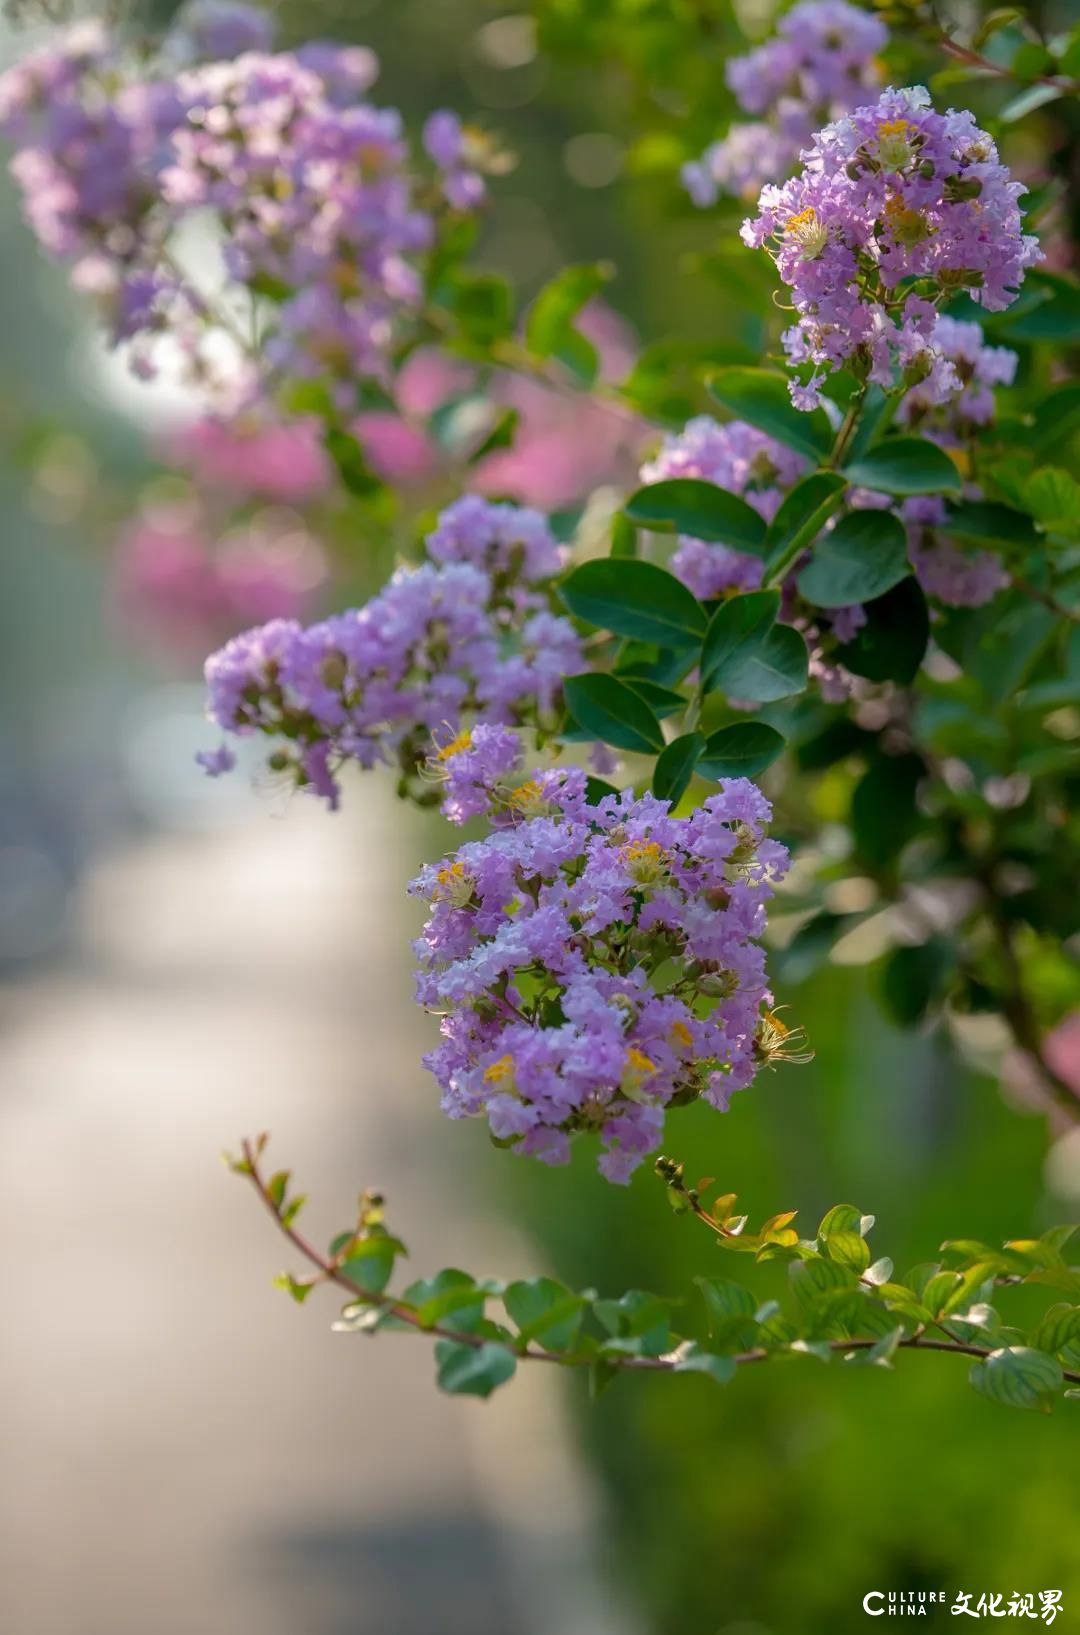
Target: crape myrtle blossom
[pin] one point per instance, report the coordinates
(596, 965)
(467, 638)
(897, 208)
(954, 575)
(820, 64)
(323, 216)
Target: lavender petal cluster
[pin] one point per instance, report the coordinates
(821, 63)
(322, 213)
(597, 965)
(405, 677)
(953, 574)
(896, 209)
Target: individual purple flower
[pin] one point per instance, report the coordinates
(214, 762)
(448, 144)
(595, 965)
(896, 208)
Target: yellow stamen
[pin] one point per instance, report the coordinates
(680, 1034)
(456, 745)
(499, 1071)
(805, 229)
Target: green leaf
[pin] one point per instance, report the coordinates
(614, 713)
(450, 1291)
(473, 1371)
(1018, 1376)
(892, 643)
(761, 396)
(549, 324)
(746, 655)
(985, 523)
(634, 598)
(483, 304)
(905, 465)
(1036, 96)
(546, 1311)
(663, 701)
(879, 1355)
(1057, 1330)
(370, 1262)
(638, 1323)
(731, 1311)
(686, 505)
(740, 751)
(501, 435)
(691, 1358)
(883, 811)
(802, 515)
(913, 978)
(675, 767)
(864, 556)
(840, 1218)
(348, 456)
(725, 1299)
(812, 1278)
(1054, 497)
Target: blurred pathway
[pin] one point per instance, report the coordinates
(185, 1452)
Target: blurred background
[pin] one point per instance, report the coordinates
(182, 963)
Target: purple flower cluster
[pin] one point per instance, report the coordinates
(595, 965)
(897, 208)
(437, 648)
(321, 215)
(89, 139)
(954, 575)
(819, 65)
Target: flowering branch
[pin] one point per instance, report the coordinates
(834, 1284)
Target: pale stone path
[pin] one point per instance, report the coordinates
(184, 1451)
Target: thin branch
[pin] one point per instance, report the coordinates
(329, 1269)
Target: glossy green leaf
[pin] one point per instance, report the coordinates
(1018, 1376)
(545, 1311)
(691, 1358)
(905, 465)
(675, 767)
(864, 556)
(761, 396)
(747, 656)
(985, 523)
(474, 1371)
(802, 515)
(687, 505)
(550, 319)
(634, 598)
(614, 713)
(892, 643)
(741, 750)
